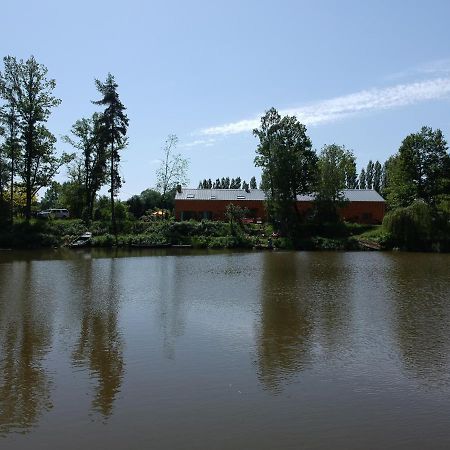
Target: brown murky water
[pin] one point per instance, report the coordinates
(135, 350)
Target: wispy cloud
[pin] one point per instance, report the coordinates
(199, 143)
(330, 110)
(438, 68)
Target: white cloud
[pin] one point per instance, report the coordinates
(326, 111)
(438, 68)
(199, 142)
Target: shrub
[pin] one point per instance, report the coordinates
(410, 227)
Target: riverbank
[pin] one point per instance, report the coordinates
(205, 234)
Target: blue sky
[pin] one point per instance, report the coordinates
(362, 74)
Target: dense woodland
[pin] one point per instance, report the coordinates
(415, 180)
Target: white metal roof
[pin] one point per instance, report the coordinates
(354, 195)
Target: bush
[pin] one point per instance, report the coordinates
(410, 227)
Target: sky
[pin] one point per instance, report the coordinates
(359, 74)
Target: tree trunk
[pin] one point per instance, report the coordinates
(11, 193)
(113, 211)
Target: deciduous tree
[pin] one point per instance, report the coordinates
(289, 166)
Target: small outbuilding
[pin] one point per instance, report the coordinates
(363, 205)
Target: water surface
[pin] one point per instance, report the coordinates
(187, 349)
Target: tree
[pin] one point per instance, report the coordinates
(9, 126)
(369, 175)
(377, 176)
(362, 179)
(33, 102)
(351, 177)
(173, 169)
(425, 165)
(112, 130)
(335, 164)
(91, 165)
(253, 183)
(289, 166)
(420, 170)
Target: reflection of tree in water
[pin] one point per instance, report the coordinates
(284, 341)
(171, 278)
(421, 301)
(100, 343)
(305, 300)
(327, 282)
(25, 338)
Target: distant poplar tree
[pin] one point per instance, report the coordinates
(113, 125)
(253, 184)
(362, 179)
(369, 175)
(377, 174)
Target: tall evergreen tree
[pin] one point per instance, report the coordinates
(113, 125)
(253, 184)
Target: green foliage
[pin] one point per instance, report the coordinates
(289, 166)
(29, 98)
(410, 227)
(112, 126)
(420, 169)
(89, 170)
(337, 168)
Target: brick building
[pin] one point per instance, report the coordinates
(364, 205)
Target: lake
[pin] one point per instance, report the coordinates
(230, 350)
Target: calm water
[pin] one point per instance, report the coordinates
(205, 350)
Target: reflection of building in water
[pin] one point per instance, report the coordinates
(100, 344)
(25, 338)
(421, 302)
(305, 303)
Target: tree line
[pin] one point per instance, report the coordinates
(227, 183)
(28, 156)
(418, 172)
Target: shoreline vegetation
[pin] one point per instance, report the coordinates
(415, 182)
(54, 233)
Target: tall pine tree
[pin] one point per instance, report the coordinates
(113, 125)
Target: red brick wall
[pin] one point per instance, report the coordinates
(361, 212)
(217, 208)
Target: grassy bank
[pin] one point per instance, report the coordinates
(205, 234)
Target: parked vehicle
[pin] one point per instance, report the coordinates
(57, 213)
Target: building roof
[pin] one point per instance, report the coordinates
(220, 194)
(353, 195)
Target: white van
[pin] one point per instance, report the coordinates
(57, 213)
